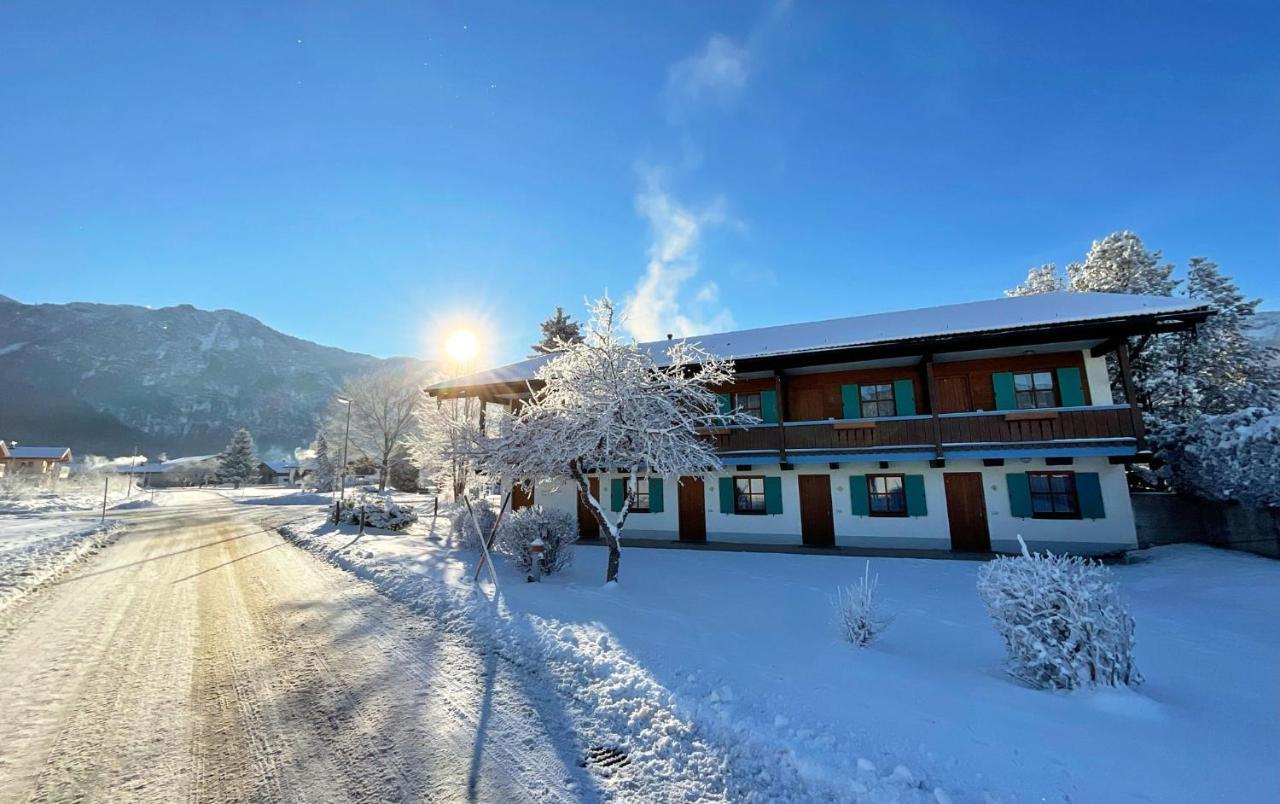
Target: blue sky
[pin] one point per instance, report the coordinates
(367, 174)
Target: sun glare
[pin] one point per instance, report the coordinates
(461, 345)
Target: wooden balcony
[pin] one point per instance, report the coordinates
(1066, 429)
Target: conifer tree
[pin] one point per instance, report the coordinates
(324, 472)
(239, 459)
(1044, 279)
(558, 331)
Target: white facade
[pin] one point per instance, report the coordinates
(1111, 533)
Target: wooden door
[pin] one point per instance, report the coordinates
(817, 525)
(806, 405)
(693, 510)
(954, 395)
(588, 525)
(967, 512)
(521, 498)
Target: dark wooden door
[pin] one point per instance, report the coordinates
(806, 405)
(954, 395)
(817, 526)
(967, 512)
(588, 525)
(693, 510)
(521, 497)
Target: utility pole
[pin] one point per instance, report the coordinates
(346, 437)
(106, 481)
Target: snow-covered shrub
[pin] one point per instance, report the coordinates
(857, 611)
(462, 533)
(377, 512)
(1234, 456)
(557, 529)
(1062, 620)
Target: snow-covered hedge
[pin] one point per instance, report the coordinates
(377, 512)
(1234, 456)
(557, 529)
(462, 532)
(1062, 620)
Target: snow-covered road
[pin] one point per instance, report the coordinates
(200, 657)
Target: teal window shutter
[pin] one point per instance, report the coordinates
(904, 395)
(851, 405)
(1019, 495)
(915, 496)
(859, 502)
(773, 495)
(769, 407)
(1089, 492)
(1002, 382)
(1070, 389)
(726, 495)
(655, 495)
(616, 494)
(724, 404)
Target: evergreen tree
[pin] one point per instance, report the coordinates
(324, 474)
(239, 460)
(558, 331)
(1121, 263)
(1044, 279)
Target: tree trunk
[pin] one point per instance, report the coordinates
(615, 556)
(610, 531)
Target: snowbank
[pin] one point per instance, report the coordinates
(726, 672)
(33, 550)
(133, 505)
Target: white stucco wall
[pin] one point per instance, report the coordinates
(1113, 532)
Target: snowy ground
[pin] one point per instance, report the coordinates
(722, 674)
(74, 494)
(35, 549)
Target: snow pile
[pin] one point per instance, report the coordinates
(33, 550)
(73, 494)
(1062, 621)
(557, 529)
(293, 498)
(1235, 456)
(375, 512)
(133, 505)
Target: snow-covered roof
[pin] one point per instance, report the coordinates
(171, 465)
(41, 453)
(991, 315)
(281, 467)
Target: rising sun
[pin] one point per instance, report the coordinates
(461, 345)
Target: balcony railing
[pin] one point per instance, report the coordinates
(1100, 425)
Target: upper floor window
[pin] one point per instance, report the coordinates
(748, 495)
(887, 495)
(749, 403)
(1053, 495)
(640, 505)
(877, 400)
(1034, 389)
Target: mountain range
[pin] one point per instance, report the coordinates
(104, 378)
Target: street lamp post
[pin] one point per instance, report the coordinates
(346, 436)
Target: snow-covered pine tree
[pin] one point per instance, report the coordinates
(1121, 263)
(606, 403)
(324, 474)
(557, 331)
(239, 460)
(1044, 279)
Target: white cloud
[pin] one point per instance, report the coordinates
(659, 305)
(719, 70)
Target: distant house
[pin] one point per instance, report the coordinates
(191, 470)
(42, 464)
(4, 457)
(280, 473)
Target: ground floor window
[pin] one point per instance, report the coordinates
(748, 497)
(1053, 495)
(886, 495)
(641, 503)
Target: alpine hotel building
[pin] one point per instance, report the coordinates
(957, 427)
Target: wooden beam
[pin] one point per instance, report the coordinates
(932, 383)
(1106, 347)
(780, 403)
(1126, 379)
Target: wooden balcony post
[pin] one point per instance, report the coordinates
(1126, 379)
(932, 384)
(779, 390)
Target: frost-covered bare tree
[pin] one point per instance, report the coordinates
(607, 404)
(436, 441)
(382, 407)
